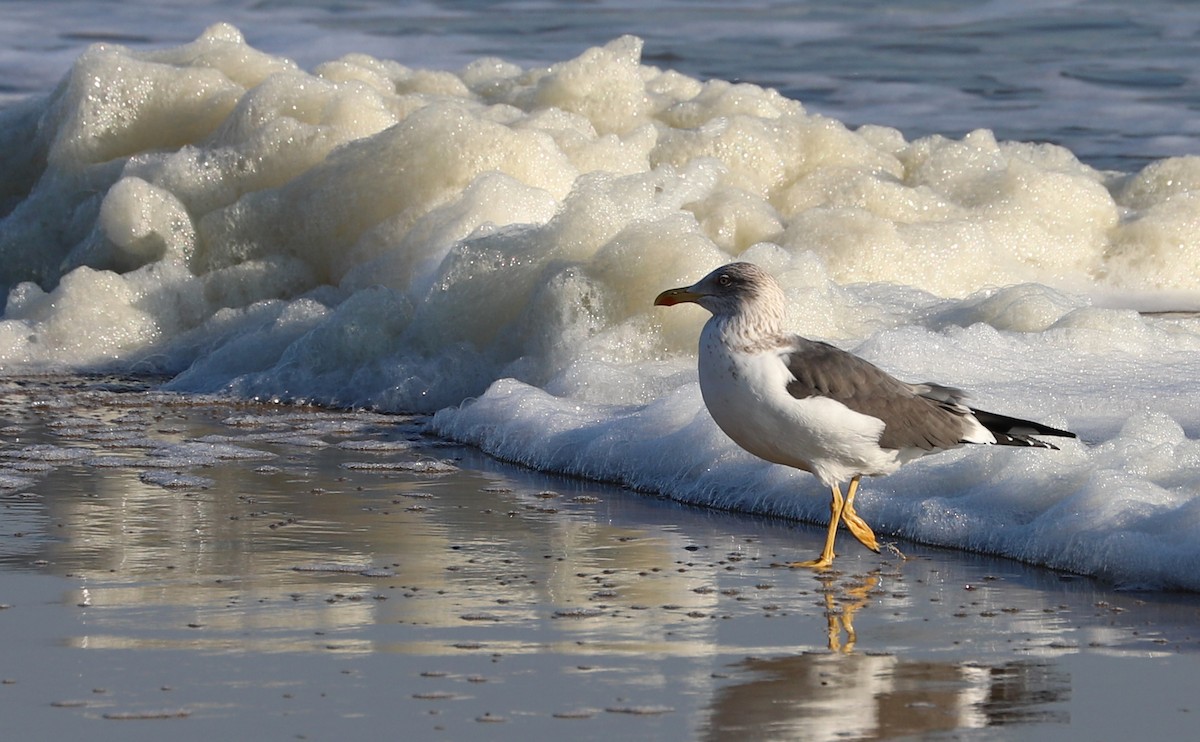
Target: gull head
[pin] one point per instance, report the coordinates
(737, 290)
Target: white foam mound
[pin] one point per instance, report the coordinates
(368, 234)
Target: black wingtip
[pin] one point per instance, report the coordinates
(1005, 439)
(1013, 431)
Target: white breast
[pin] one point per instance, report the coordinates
(746, 394)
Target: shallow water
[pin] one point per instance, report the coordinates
(309, 573)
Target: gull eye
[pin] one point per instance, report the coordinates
(724, 279)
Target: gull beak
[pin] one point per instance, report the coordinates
(671, 297)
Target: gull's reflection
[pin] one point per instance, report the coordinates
(845, 694)
(841, 603)
(869, 697)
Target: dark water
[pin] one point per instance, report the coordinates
(1115, 83)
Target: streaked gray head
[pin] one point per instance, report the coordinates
(728, 290)
(741, 290)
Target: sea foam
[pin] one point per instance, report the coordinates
(486, 244)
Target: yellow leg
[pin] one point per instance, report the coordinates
(836, 505)
(857, 525)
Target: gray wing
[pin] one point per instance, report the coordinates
(924, 416)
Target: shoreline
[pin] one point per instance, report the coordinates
(199, 567)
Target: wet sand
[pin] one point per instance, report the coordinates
(194, 569)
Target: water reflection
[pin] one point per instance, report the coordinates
(312, 524)
(844, 694)
(872, 697)
(841, 604)
(308, 532)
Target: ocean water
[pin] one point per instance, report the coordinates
(466, 210)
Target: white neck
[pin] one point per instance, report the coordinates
(757, 325)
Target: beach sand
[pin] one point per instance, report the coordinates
(195, 569)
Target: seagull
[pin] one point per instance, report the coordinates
(809, 405)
